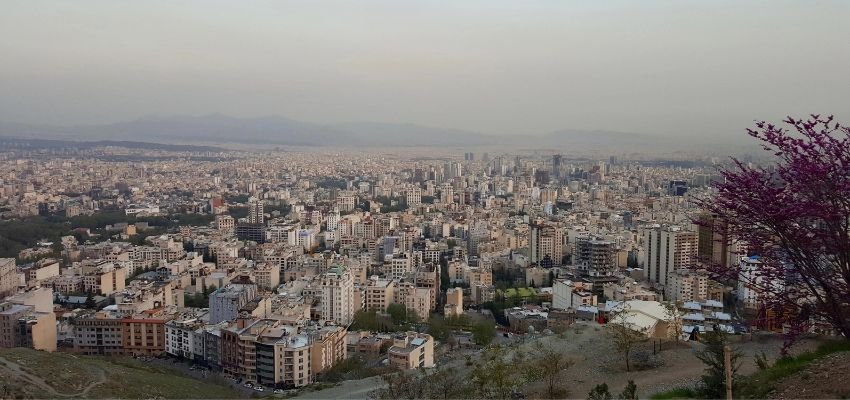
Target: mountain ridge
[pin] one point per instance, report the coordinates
(278, 130)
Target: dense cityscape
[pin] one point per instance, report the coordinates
(276, 268)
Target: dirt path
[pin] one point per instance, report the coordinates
(17, 370)
(358, 389)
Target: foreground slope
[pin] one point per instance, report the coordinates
(28, 373)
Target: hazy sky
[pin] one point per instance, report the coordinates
(521, 66)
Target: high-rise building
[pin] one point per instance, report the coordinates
(546, 245)
(715, 246)
(666, 249)
(556, 165)
(447, 194)
(595, 257)
(541, 177)
(677, 188)
(477, 234)
(413, 196)
(338, 295)
(256, 214)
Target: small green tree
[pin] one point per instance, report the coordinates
(397, 312)
(600, 392)
(713, 356)
(497, 377)
(483, 333)
(90, 303)
(365, 320)
(438, 328)
(629, 392)
(547, 364)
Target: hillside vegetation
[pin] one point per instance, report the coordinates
(28, 373)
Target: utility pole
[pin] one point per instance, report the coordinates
(727, 364)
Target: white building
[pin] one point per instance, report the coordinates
(337, 295)
(571, 295)
(752, 283)
(184, 336)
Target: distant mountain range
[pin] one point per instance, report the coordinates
(219, 129)
(27, 143)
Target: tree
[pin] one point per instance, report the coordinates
(365, 320)
(483, 333)
(400, 314)
(447, 383)
(795, 215)
(714, 381)
(547, 365)
(438, 328)
(90, 303)
(629, 392)
(625, 335)
(674, 317)
(496, 377)
(600, 392)
(402, 386)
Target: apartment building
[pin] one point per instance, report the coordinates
(225, 302)
(692, 285)
(666, 249)
(99, 333)
(337, 302)
(328, 347)
(379, 294)
(454, 302)
(567, 294)
(267, 275)
(27, 320)
(414, 298)
(412, 350)
(595, 257)
(546, 245)
(184, 336)
(9, 280)
(40, 271)
(144, 333)
(103, 277)
(274, 354)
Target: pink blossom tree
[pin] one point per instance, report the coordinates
(794, 214)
